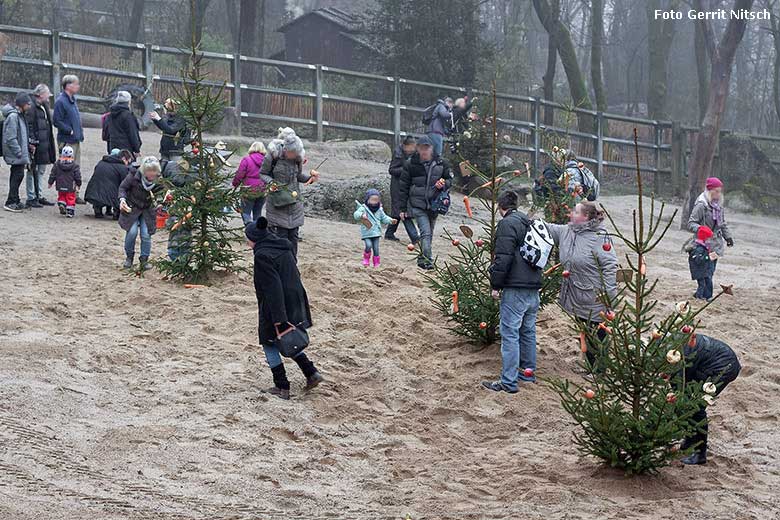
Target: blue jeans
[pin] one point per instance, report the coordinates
(273, 357)
(178, 241)
(372, 244)
(704, 289)
(426, 222)
(35, 182)
(132, 234)
(518, 334)
(438, 143)
(251, 209)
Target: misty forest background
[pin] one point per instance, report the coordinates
(648, 67)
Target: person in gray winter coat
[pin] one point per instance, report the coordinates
(284, 170)
(440, 124)
(708, 211)
(590, 268)
(16, 147)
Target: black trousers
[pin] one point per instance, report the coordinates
(17, 176)
(699, 439)
(289, 234)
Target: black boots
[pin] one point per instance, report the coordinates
(281, 384)
(313, 377)
(98, 211)
(695, 458)
(145, 265)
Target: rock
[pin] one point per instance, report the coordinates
(336, 199)
(504, 161)
(748, 175)
(737, 200)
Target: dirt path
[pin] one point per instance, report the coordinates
(128, 398)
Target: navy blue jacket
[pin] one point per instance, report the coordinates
(699, 262)
(67, 119)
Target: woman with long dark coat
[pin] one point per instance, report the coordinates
(103, 188)
(282, 303)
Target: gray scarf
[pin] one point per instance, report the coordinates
(148, 185)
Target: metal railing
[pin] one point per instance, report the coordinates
(346, 107)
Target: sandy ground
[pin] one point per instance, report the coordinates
(126, 398)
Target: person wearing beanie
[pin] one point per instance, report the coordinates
(282, 303)
(701, 262)
(708, 211)
(67, 176)
(120, 127)
(371, 217)
(16, 147)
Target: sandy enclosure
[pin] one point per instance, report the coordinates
(125, 398)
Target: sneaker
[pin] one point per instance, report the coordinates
(61, 206)
(14, 207)
(426, 266)
(71, 213)
(497, 386)
(33, 203)
(144, 261)
(79, 200)
(695, 459)
(128, 263)
(43, 202)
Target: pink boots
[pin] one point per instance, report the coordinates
(367, 258)
(376, 261)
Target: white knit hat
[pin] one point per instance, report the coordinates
(123, 96)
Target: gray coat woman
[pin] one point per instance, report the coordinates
(708, 211)
(284, 168)
(590, 269)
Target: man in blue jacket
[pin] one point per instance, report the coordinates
(519, 284)
(440, 125)
(67, 119)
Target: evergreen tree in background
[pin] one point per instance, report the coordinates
(203, 228)
(637, 406)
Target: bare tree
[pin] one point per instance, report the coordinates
(136, 21)
(596, 42)
(552, 60)
(660, 34)
(721, 62)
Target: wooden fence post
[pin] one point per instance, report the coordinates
(148, 67)
(537, 139)
(236, 77)
(599, 144)
(318, 101)
(56, 62)
(397, 110)
(677, 163)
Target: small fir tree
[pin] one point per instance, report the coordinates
(638, 405)
(203, 228)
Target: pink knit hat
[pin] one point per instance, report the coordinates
(713, 182)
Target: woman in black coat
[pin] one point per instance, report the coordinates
(282, 303)
(103, 188)
(121, 126)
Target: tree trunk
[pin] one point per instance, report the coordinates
(702, 69)
(660, 34)
(568, 55)
(776, 70)
(136, 22)
(596, 42)
(722, 60)
(549, 74)
(232, 14)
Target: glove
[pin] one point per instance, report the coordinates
(730, 242)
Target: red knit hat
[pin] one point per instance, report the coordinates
(704, 233)
(713, 182)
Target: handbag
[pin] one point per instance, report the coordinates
(440, 204)
(292, 342)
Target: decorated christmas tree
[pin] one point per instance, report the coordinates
(461, 283)
(203, 228)
(637, 405)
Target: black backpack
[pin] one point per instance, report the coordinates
(427, 116)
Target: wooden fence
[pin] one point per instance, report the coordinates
(336, 102)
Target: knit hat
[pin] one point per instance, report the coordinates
(424, 141)
(713, 182)
(704, 233)
(370, 193)
(123, 96)
(66, 153)
(22, 99)
(116, 151)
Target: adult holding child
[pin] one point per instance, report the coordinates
(283, 173)
(589, 270)
(138, 207)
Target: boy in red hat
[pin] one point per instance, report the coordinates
(702, 263)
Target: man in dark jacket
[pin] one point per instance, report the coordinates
(714, 362)
(121, 125)
(282, 303)
(519, 284)
(401, 154)
(16, 147)
(424, 176)
(39, 123)
(174, 130)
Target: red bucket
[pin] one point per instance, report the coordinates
(162, 218)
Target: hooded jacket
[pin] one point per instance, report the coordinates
(281, 297)
(67, 119)
(288, 173)
(103, 186)
(16, 150)
(143, 203)
(442, 119)
(702, 215)
(39, 121)
(377, 218)
(248, 172)
(509, 269)
(122, 128)
(699, 262)
(396, 169)
(711, 359)
(67, 176)
(592, 271)
(417, 183)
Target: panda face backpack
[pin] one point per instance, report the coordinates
(537, 245)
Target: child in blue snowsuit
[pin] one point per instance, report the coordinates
(372, 217)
